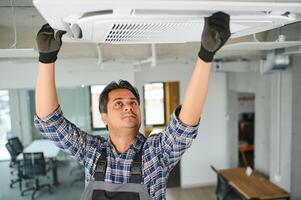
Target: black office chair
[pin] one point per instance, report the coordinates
(14, 164)
(16, 144)
(224, 191)
(15, 148)
(34, 166)
(79, 171)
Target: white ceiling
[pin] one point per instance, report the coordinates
(28, 21)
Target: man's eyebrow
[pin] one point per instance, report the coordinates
(133, 98)
(121, 98)
(118, 98)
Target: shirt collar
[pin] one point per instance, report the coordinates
(138, 142)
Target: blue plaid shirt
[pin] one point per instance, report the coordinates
(161, 151)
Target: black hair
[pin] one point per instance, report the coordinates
(104, 96)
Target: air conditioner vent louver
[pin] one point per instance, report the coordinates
(147, 32)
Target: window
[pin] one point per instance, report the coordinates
(97, 122)
(154, 104)
(5, 123)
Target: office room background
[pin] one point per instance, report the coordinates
(274, 98)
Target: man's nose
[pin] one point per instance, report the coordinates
(128, 107)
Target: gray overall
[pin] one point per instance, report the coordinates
(100, 190)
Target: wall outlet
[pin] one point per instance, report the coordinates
(277, 178)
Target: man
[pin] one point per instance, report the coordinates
(127, 165)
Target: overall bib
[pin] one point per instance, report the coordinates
(100, 190)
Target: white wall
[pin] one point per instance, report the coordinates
(210, 146)
(232, 126)
(272, 148)
(296, 129)
(259, 85)
(281, 128)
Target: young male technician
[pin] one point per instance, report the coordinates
(127, 165)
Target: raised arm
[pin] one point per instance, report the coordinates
(49, 44)
(46, 97)
(215, 34)
(49, 119)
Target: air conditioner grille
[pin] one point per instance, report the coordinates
(153, 31)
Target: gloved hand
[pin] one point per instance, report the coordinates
(215, 34)
(49, 43)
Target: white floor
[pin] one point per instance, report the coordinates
(200, 193)
(67, 192)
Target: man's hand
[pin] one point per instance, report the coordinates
(215, 34)
(49, 43)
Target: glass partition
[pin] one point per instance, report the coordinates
(5, 123)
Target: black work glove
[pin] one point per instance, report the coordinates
(49, 43)
(215, 34)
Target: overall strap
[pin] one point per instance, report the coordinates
(101, 166)
(136, 168)
(135, 172)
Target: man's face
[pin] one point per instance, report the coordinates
(123, 110)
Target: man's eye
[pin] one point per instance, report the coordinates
(134, 103)
(118, 104)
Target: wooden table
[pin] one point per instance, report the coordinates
(254, 186)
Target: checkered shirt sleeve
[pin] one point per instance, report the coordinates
(174, 140)
(67, 136)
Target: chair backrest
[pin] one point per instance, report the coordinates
(12, 152)
(34, 164)
(16, 144)
(223, 188)
(224, 191)
(234, 195)
(214, 169)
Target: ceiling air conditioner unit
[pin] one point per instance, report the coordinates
(280, 43)
(159, 21)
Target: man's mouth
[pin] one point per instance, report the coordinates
(128, 116)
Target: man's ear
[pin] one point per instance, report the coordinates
(104, 117)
